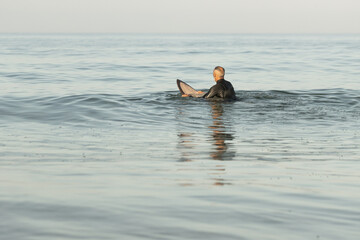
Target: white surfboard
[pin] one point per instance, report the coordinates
(187, 89)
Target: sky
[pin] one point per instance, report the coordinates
(180, 16)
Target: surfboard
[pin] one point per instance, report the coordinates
(187, 89)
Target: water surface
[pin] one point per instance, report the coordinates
(96, 142)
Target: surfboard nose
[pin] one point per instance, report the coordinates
(178, 82)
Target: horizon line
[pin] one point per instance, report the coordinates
(197, 33)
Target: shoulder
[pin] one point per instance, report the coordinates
(217, 86)
(223, 84)
(227, 83)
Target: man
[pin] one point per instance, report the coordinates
(222, 88)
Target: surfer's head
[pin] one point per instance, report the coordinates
(219, 73)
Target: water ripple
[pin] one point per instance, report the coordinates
(331, 104)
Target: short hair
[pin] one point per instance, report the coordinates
(221, 70)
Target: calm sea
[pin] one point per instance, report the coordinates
(96, 142)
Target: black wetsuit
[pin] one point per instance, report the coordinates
(222, 89)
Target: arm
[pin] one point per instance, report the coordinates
(211, 93)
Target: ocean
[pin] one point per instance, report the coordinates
(96, 141)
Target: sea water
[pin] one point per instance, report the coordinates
(97, 143)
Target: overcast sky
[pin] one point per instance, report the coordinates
(181, 16)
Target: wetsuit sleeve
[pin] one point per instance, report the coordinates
(212, 92)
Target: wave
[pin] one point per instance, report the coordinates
(332, 104)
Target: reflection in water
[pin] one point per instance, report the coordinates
(186, 143)
(194, 141)
(191, 143)
(220, 135)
